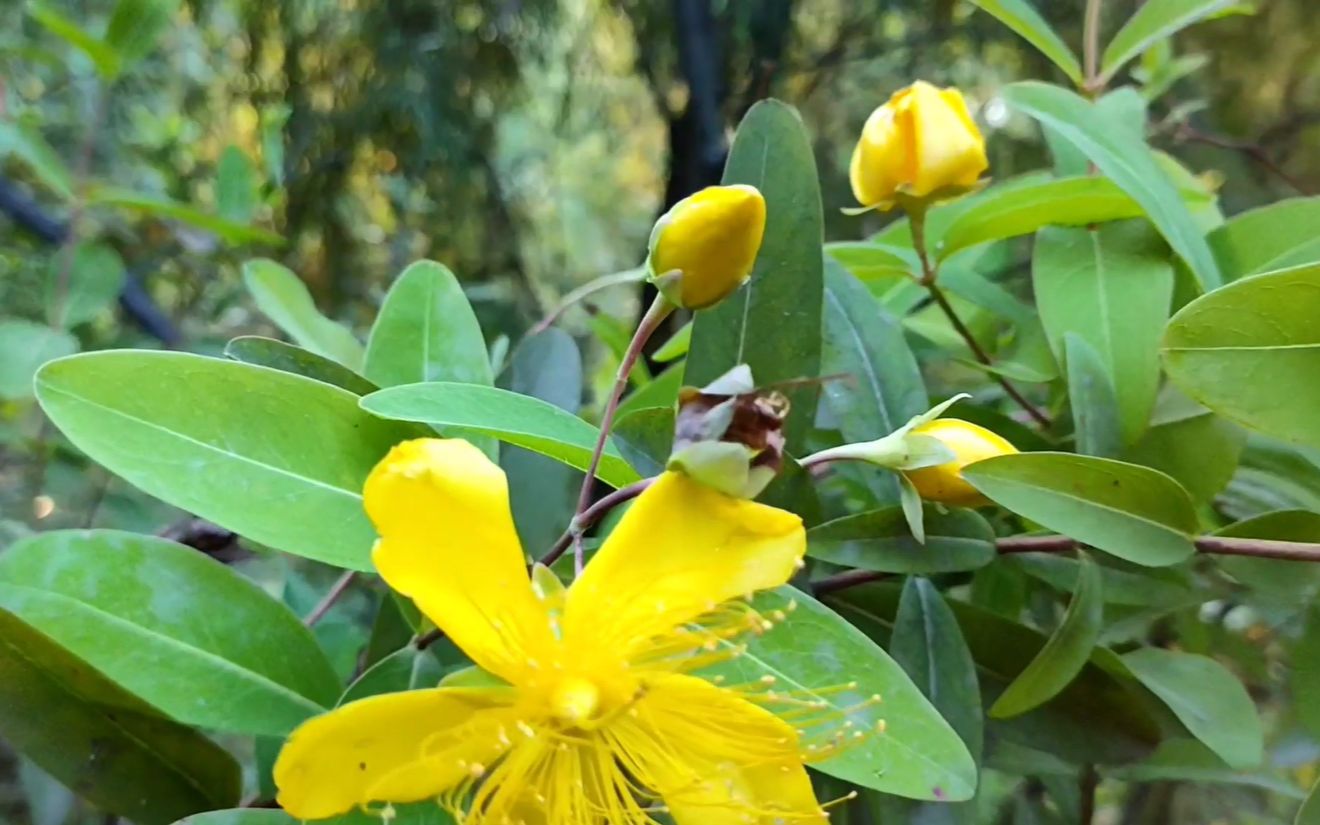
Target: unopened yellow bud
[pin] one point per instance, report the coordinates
(922, 142)
(970, 443)
(704, 247)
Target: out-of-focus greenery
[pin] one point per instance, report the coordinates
(527, 144)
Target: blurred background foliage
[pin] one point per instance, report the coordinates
(528, 144)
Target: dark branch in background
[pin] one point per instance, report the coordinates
(134, 300)
(1255, 151)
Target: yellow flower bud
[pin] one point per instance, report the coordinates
(944, 482)
(921, 142)
(704, 247)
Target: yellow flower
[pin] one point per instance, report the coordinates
(922, 141)
(704, 247)
(599, 718)
(970, 443)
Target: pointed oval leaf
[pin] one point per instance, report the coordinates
(1155, 20)
(1125, 160)
(815, 653)
(1064, 655)
(171, 625)
(275, 457)
(116, 750)
(1276, 236)
(1022, 18)
(880, 540)
(1091, 396)
(516, 419)
(278, 355)
(1132, 512)
(1207, 698)
(26, 346)
(772, 323)
(284, 299)
(1251, 352)
(80, 289)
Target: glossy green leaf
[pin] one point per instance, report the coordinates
(80, 288)
(31, 148)
(542, 491)
(818, 654)
(1126, 161)
(1111, 287)
(1022, 18)
(1205, 697)
(26, 346)
(880, 540)
(416, 813)
(103, 55)
(1276, 236)
(275, 457)
(278, 355)
(675, 347)
(1251, 352)
(284, 299)
(1278, 581)
(1130, 511)
(870, 263)
(135, 26)
(172, 626)
(1197, 448)
(1074, 201)
(1091, 395)
(117, 751)
(160, 207)
(772, 323)
(1155, 20)
(236, 196)
(1064, 655)
(426, 331)
(1101, 716)
(510, 417)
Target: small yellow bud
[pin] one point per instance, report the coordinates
(704, 247)
(921, 142)
(970, 443)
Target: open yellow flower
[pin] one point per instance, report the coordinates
(601, 720)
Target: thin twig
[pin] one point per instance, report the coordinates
(650, 322)
(588, 517)
(843, 581)
(336, 590)
(628, 276)
(1087, 783)
(1254, 151)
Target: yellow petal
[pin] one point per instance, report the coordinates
(397, 747)
(970, 443)
(881, 158)
(715, 758)
(949, 148)
(448, 542)
(679, 551)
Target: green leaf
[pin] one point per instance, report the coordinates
(405, 669)
(880, 540)
(773, 322)
(426, 331)
(1187, 760)
(24, 347)
(675, 347)
(661, 391)
(1127, 162)
(1022, 18)
(135, 27)
(236, 196)
(1278, 581)
(113, 748)
(1064, 655)
(1111, 287)
(80, 289)
(1132, 512)
(542, 491)
(172, 626)
(646, 438)
(1275, 236)
(870, 263)
(1096, 427)
(1021, 210)
(284, 299)
(275, 457)
(417, 813)
(1139, 588)
(818, 654)
(1304, 681)
(1155, 20)
(1101, 716)
(1309, 813)
(1251, 352)
(103, 56)
(31, 148)
(510, 417)
(1206, 698)
(1197, 448)
(267, 352)
(228, 231)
